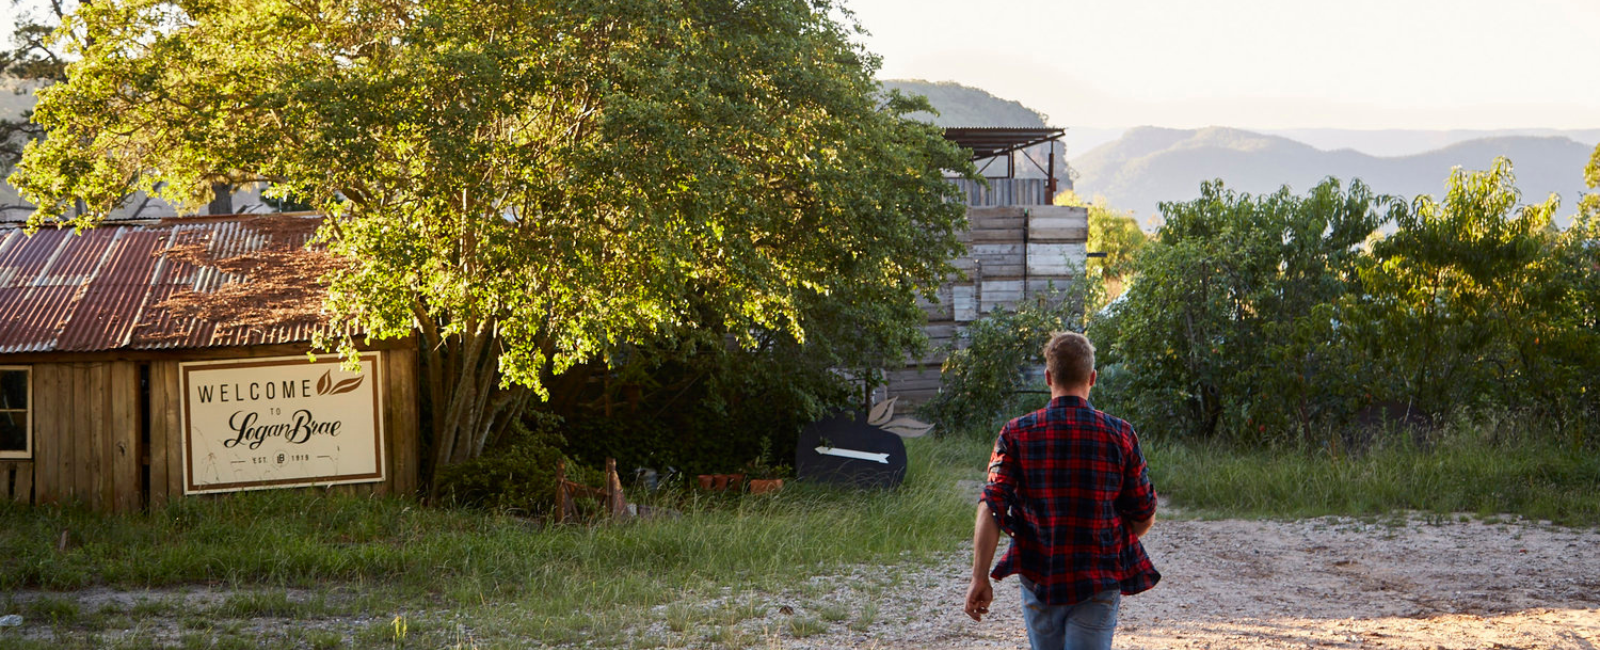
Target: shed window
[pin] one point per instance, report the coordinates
(15, 438)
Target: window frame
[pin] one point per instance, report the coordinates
(27, 410)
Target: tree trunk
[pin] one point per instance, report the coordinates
(469, 408)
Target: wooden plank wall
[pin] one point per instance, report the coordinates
(1007, 191)
(86, 434)
(400, 421)
(166, 434)
(1014, 251)
(16, 481)
(88, 449)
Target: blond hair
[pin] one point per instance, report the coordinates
(1069, 358)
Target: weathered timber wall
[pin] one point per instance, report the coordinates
(1007, 191)
(1014, 252)
(86, 424)
(90, 445)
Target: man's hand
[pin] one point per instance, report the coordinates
(985, 536)
(979, 595)
(1141, 527)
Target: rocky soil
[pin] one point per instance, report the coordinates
(1419, 583)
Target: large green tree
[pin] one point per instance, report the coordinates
(1468, 293)
(1228, 327)
(526, 185)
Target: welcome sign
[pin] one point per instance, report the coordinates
(280, 422)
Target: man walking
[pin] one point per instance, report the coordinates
(1068, 484)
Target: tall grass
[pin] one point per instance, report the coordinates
(301, 538)
(498, 577)
(1488, 465)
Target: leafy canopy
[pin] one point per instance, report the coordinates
(553, 176)
(1226, 327)
(1257, 318)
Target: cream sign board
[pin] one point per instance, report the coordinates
(281, 422)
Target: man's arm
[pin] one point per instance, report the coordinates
(1136, 505)
(985, 537)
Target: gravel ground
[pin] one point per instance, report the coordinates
(1423, 583)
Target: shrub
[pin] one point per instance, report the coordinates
(989, 367)
(518, 474)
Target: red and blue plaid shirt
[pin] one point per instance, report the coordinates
(1064, 482)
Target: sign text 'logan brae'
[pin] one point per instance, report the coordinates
(253, 424)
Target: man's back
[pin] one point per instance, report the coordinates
(1069, 484)
(1064, 482)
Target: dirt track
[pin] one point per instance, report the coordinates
(1422, 584)
(1325, 583)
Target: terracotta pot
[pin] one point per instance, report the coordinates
(765, 485)
(736, 482)
(705, 481)
(719, 482)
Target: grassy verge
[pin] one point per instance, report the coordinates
(1464, 470)
(508, 578)
(305, 570)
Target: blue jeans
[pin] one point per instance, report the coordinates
(1085, 626)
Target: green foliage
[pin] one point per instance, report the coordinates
(988, 366)
(519, 474)
(702, 406)
(1117, 235)
(1591, 177)
(1279, 317)
(34, 61)
(526, 186)
(1228, 325)
(1470, 301)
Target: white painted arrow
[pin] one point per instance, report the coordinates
(851, 453)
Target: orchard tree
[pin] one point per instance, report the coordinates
(1467, 294)
(526, 185)
(1228, 327)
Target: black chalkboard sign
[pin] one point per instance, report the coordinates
(844, 450)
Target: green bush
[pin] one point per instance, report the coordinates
(518, 475)
(702, 407)
(987, 372)
(1264, 319)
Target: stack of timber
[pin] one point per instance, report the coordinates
(1014, 253)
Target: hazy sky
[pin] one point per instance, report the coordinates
(1367, 64)
(1422, 64)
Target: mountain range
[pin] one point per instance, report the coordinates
(1148, 165)
(1138, 168)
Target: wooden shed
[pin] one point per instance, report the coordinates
(1018, 246)
(146, 361)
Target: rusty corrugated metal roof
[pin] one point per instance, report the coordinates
(108, 289)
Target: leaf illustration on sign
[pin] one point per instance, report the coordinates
(348, 385)
(881, 412)
(906, 427)
(325, 384)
